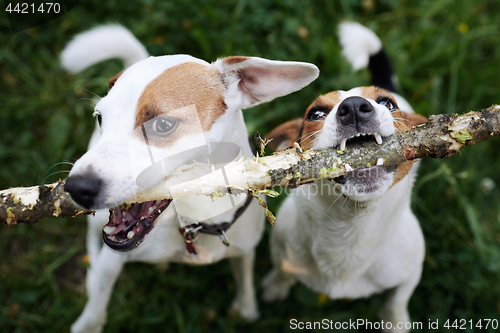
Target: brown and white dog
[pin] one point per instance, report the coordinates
(161, 113)
(356, 235)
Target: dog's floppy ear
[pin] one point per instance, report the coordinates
(415, 119)
(112, 81)
(250, 80)
(409, 120)
(406, 120)
(285, 134)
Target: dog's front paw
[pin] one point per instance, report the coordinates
(84, 324)
(399, 318)
(247, 309)
(276, 285)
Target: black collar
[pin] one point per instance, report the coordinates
(190, 232)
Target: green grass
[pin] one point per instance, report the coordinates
(446, 55)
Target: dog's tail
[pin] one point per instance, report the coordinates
(363, 48)
(102, 43)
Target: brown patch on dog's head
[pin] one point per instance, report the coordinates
(311, 128)
(185, 85)
(112, 80)
(374, 93)
(302, 130)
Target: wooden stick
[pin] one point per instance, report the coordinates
(441, 137)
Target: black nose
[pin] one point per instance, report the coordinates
(83, 189)
(355, 110)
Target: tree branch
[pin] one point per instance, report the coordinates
(28, 204)
(441, 137)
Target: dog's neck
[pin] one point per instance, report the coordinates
(347, 232)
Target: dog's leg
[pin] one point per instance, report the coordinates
(245, 302)
(94, 233)
(276, 285)
(395, 309)
(101, 278)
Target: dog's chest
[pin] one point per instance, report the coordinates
(345, 242)
(344, 249)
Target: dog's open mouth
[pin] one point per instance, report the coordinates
(130, 223)
(365, 179)
(361, 137)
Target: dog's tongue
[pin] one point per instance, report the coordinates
(129, 224)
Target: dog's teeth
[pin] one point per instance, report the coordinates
(150, 210)
(358, 134)
(378, 138)
(380, 161)
(124, 214)
(130, 234)
(342, 144)
(347, 167)
(109, 230)
(157, 202)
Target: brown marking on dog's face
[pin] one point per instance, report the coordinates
(311, 128)
(177, 89)
(112, 80)
(375, 92)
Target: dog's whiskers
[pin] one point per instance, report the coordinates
(400, 122)
(302, 139)
(93, 93)
(55, 173)
(59, 163)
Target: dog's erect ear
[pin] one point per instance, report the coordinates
(250, 81)
(285, 134)
(112, 81)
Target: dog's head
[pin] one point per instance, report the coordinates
(341, 118)
(164, 112)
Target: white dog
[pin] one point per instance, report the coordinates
(161, 113)
(356, 235)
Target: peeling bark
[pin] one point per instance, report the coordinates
(441, 137)
(28, 204)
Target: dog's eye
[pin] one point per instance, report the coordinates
(99, 117)
(317, 113)
(387, 102)
(163, 126)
